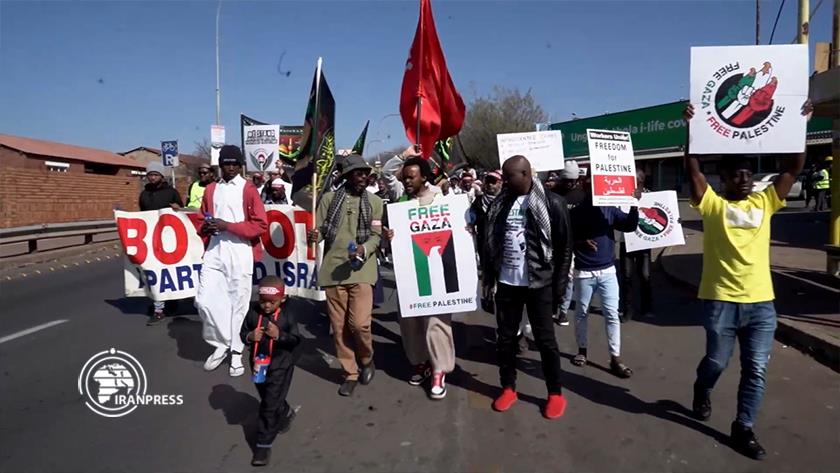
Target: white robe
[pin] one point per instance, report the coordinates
(224, 288)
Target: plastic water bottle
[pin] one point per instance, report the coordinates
(261, 368)
(356, 263)
(209, 218)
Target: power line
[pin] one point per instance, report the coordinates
(778, 14)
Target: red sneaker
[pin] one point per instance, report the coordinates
(555, 406)
(505, 400)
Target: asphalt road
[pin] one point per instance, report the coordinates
(612, 425)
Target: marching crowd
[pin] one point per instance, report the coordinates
(542, 246)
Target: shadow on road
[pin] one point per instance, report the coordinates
(238, 408)
(621, 398)
(187, 334)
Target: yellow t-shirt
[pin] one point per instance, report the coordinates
(736, 246)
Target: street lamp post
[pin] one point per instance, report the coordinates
(218, 88)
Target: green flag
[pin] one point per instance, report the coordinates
(359, 147)
(318, 151)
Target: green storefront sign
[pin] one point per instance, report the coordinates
(651, 128)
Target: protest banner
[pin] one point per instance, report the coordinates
(544, 149)
(262, 147)
(217, 140)
(613, 168)
(440, 276)
(748, 99)
(659, 223)
(163, 253)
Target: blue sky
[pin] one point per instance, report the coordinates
(121, 74)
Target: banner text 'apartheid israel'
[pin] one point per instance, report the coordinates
(164, 253)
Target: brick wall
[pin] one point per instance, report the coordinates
(31, 196)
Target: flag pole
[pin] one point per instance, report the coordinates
(420, 60)
(313, 147)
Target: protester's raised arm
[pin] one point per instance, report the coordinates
(696, 179)
(793, 164)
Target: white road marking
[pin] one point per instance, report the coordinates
(37, 328)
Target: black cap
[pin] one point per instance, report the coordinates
(230, 154)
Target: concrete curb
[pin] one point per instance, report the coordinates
(812, 342)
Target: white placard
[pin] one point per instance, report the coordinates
(544, 149)
(659, 222)
(217, 140)
(261, 145)
(435, 264)
(748, 99)
(613, 167)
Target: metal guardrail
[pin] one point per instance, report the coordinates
(31, 234)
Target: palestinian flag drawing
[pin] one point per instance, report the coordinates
(652, 221)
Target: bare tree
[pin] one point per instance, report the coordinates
(502, 111)
(202, 149)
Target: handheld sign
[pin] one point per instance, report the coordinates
(748, 99)
(613, 168)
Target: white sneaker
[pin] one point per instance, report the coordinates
(236, 368)
(438, 390)
(216, 359)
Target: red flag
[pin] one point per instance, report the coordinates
(426, 77)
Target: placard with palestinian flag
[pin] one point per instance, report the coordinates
(436, 273)
(659, 223)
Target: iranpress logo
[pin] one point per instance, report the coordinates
(738, 101)
(113, 383)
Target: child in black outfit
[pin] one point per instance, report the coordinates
(271, 331)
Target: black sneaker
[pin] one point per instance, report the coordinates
(701, 406)
(421, 373)
(346, 388)
(746, 443)
(262, 455)
(562, 319)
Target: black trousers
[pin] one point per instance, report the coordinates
(274, 410)
(635, 265)
(510, 300)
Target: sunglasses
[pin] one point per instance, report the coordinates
(201, 173)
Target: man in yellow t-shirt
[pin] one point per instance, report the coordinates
(736, 287)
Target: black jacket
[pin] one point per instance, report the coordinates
(480, 224)
(541, 273)
(285, 353)
(160, 197)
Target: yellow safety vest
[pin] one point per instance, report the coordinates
(825, 182)
(196, 194)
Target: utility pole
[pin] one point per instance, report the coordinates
(218, 88)
(757, 22)
(802, 34)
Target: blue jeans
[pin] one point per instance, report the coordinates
(567, 297)
(607, 287)
(754, 326)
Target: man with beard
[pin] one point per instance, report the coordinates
(349, 221)
(428, 342)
